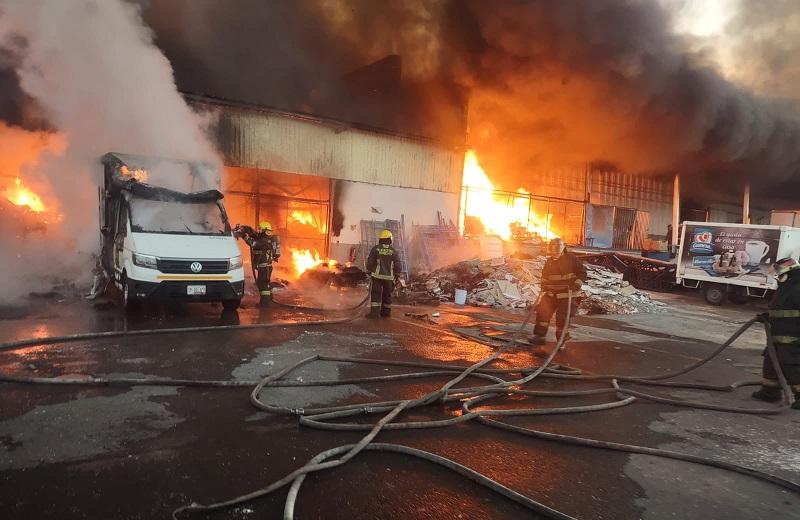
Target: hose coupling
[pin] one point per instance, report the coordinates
(298, 411)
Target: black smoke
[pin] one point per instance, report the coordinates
(16, 107)
(547, 81)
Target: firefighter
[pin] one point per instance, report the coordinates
(562, 274)
(265, 248)
(784, 317)
(382, 266)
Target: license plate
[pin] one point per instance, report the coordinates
(195, 290)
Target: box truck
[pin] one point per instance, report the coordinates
(164, 245)
(732, 261)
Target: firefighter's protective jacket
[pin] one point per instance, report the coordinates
(382, 262)
(562, 274)
(784, 311)
(264, 249)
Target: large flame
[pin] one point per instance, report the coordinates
(304, 259)
(498, 213)
(22, 196)
(309, 219)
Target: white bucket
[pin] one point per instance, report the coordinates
(460, 297)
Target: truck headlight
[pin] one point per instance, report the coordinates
(234, 263)
(147, 261)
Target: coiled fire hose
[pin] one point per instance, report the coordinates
(469, 398)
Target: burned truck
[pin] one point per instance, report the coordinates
(160, 244)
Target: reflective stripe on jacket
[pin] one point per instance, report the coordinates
(784, 311)
(264, 249)
(562, 274)
(382, 261)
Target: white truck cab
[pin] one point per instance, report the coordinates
(164, 245)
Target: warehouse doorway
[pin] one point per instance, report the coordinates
(297, 206)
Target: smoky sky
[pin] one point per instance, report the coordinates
(540, 82)
(16, 107)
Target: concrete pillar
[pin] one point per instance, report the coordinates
(746, 205)
(676, 209)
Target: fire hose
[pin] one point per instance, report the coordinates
(321, 309)
(469, 397)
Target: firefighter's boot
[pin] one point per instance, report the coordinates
(386, 312)
(373, 313)
(538, 340)
(768, 393)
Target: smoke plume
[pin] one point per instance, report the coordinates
(550, 82)
(608, 80)
(91, 68)
(764, 52)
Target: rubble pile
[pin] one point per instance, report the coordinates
(513, 283)
(605, 292)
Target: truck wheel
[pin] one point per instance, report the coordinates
(738, 295)
(715, 293)
(231, 305)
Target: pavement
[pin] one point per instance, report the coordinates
(77, 452)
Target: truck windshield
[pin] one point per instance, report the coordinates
(181, 218)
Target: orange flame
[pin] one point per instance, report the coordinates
(309, 219)
(495, 211)
(21, 196)
(304, 259)
(137, 174)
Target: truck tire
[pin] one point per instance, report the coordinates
(738, 295)
(231, 305)
(715, 293)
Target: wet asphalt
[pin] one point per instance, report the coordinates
(139, 452)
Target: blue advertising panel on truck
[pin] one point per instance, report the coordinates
(733, 259)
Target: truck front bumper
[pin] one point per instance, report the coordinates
(176, 290)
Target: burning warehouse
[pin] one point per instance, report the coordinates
(328, 186)
(519, 160)
(585, 145)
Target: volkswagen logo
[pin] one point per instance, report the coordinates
(196, 267)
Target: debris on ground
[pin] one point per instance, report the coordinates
(515, 283)
(335, 274)
(430, 318)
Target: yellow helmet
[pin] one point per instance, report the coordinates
(386, 234)
(265, 226)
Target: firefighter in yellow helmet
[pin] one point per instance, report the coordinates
(382, 266)
(562, 275)
(265, 248)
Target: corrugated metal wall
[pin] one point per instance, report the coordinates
(563, 183)
(280, 142)
(722, 212)
(642, 192)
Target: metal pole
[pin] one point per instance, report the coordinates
(676, 209)
(329, 217)
(462, 214)
(746, 205)
(258, 197)
(530, 202)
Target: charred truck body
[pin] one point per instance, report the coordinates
(165, 245)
